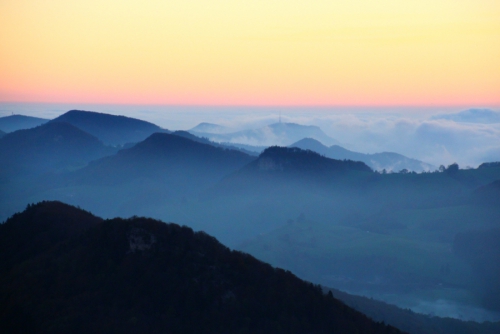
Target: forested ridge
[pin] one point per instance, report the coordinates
(73, 272)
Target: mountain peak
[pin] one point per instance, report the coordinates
(277, 158)
(111, 129)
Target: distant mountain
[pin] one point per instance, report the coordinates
(20, 122)
(2, 133)
(284, 169)
(282, 134)
(386, 160)
(290, 160)
(209, 128)
(78, 274)
(482, 116)
(411, 322)
(49, 147)
(111, 129)
(166, 158)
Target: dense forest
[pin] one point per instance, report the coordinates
(69, 271)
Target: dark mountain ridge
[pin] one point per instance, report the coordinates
(141, 275)
(20, 122)
(49, 147)
(165, 156)
(285, 159)
(111, 129)
(280, 168)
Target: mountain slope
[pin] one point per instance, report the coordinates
(2, 133)
(50, 147)
(140, 275)
(279, 167)
(386, 160)
(411, 322)
(19, 122)
(111, 129)
(282, 134)
(165, 156)
(202, 140)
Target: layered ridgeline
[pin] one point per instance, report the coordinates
(2, 133)
(20, 122)
(50, 147)
(110, 129)
(274, 134)
(279, 167)
(389, 161)
(168, 157)
(68, 271)
(156, 176)
(332, 222)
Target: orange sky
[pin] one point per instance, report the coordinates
(254, 52)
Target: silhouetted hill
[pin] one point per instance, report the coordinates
(275, 134)
(144, 276)
(168, 158)
(19, 122)
(285, 169)
(285, 159)
(50, 147)
(386, 160)
(111, 129)
(2, 133)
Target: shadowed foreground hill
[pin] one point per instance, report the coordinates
(111, 129)
(49, 147)
(144, 276)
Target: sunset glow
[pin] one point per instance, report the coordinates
(219, 52)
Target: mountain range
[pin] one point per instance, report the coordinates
(330, 221)
(282, 134)
(378, 161)
(51, 147)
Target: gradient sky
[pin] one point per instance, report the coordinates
(253, 52)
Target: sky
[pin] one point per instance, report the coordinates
(251, 53)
